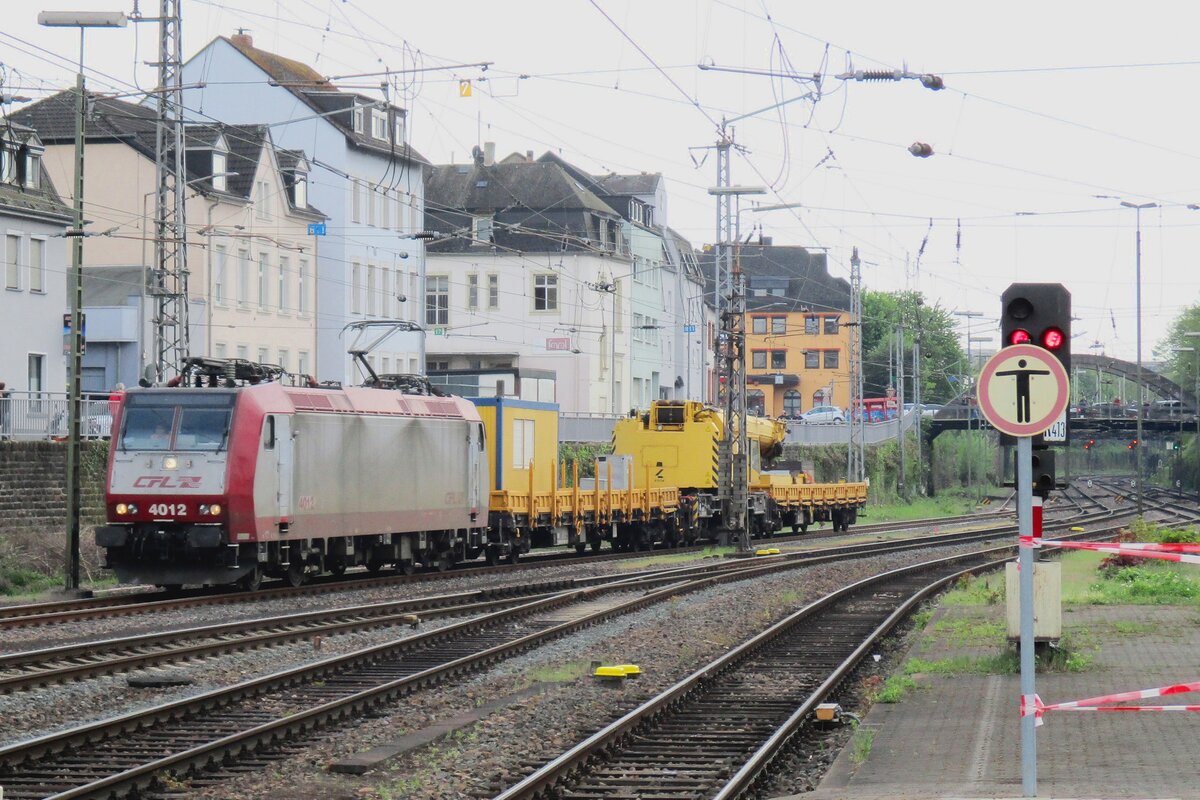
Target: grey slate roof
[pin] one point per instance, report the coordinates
(110, 120)
(112, 286)
(42, 202)
(805, 276)
(319, 94)
(642, 184)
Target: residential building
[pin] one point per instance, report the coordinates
(36, 263)
(250, 254)
(666, 314)
(532, 273)
(797, 340)
(364, 176)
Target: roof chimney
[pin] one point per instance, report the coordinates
(477, 156)
(242, 38)
(529, 155)
(489, 153)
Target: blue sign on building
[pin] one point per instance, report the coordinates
(316, 229)
(689, 328)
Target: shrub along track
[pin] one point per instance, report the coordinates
(255, 719)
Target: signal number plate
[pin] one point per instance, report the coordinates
(1058, 431)
(168, 509)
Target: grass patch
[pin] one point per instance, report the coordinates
(1005, 663)
(1156, 584)
(861, 744)
(674, 558)
(559, 673)
(921, 619)
(945, 504)
(894, 689)
(977, 590)
(18, 579)
(964, 631)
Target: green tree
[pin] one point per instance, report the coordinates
(932, 327)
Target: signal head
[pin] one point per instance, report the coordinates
(1019, 336)
(1053, 338)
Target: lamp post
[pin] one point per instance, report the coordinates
(1196, 406)
(1195, 370)
(1137, 208)
(82, 20)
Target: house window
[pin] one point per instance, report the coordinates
(263, 207)
(219, 168)
(355, 287)
(300, 190)
(385, 208)
(437, 300)
(8, 163)
(399, 128)
(220, 262)
(302, 286)
(263, 355)
(37, 373)
(493, 290)
(545, 292)
(243, 278)
(758, 324)
(484, 229)
(473, 291)
(379, 124)
(283, 359)
(284, 277)
(37, 265)
(831, 359)
(302, 362)
(522, 445)
(372, 290)
(243, 352)
(812, 359)
(831, 326)
(778, 325)
(356, 190)
(33, 170)
(12, 267)
(219, 349)
(812, 326)
(791, 403)
(264, 285)
(369, 196)
(778, 359)
(359, 125)
(756, 403)
(638, 324)
(759, 359)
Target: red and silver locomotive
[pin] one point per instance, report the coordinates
(231, 476)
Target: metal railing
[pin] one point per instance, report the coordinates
(43, 415)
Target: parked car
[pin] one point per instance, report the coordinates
(824, 414)
(1169, 409)
(1110, 411)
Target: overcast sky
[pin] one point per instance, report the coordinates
(1045, 106)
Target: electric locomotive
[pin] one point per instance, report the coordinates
(231, 475)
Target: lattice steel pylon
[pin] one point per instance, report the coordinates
(169, 285)
(856, 455)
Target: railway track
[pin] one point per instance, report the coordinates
(201, 733)
(57, 612)
(62, 663)
(715, 733)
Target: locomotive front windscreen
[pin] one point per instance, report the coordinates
(176, 420)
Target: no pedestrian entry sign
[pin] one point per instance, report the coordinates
(1023, 390)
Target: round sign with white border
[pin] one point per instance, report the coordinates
(1023, 389)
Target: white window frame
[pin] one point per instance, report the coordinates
(493, 290)
(264, 280)
(549, 286)
(372, 290)
(379, 124)
(284, 268)
(356, 189)
(262, 208)
(243, 299)
(523, 440)
(437, 289)
(220, 274)
(302, 286)
(355, 287)
(300, 189)
(220, 165)
(37, 271)
(12, 262)
(473, 291)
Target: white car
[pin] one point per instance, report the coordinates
(824, 414)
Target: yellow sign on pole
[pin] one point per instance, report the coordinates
(464, 88)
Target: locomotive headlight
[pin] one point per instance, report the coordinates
(203, 509)
(133, 508)
(122, 509)
(214, 509)
(170, 462)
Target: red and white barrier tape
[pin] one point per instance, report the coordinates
(1180, 553)
(1096, 703)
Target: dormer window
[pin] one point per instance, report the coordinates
(379, 124)
(33, 169)
(295, 180)
(300, 190)
(8, 161)
(220, 166)
(360, 125)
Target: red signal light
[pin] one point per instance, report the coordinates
(1019, 336)
(1052, 338)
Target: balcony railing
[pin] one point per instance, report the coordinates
(43, 415)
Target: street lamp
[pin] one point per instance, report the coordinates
(1137, 207)
(82, 20)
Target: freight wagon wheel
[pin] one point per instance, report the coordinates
(251, 580)
(514, 555)
(337, 569)
(444, 563)
(581, 547)
(295, 574)
(493, 555)
(595, 544)
(406, 566)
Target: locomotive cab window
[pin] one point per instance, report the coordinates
(176, 420)
(269, 433)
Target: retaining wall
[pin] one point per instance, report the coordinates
(33, 486)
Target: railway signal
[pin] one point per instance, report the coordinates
(1038, 314)
(1133, 443)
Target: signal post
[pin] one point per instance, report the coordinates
(1024, 391)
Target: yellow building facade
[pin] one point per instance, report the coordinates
(796, 360)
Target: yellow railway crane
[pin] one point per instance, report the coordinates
(674, 444)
